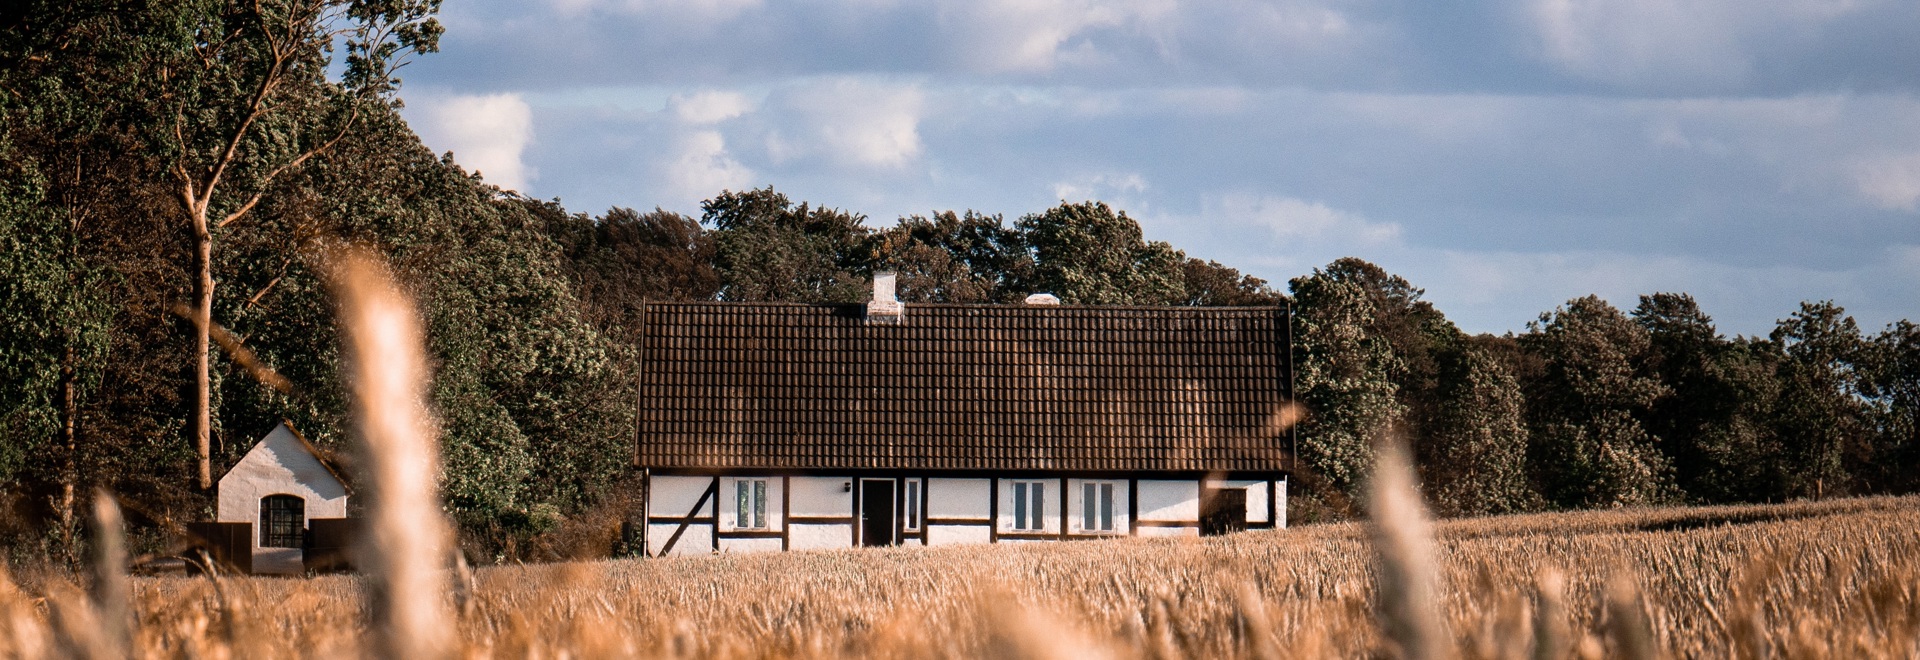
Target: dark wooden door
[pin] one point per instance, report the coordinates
(877, 520)
(1224, 511)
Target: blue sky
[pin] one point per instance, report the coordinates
(1504, 155)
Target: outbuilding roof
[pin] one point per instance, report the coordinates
(964, 387)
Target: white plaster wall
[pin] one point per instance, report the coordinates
(674, 496)
(1256, 496)
(749, 545)
(730, 503)
(966, 499)
(1176, 501)
(1280, 502)
(819, 537)
(958, 534)
(1169, 531)
(280, 464)
(822, 497)
(1051, 504)
(1076, 506)
(697, 540)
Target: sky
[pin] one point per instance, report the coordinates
(1504, 155)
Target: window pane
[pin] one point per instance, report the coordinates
(1039, 504)
(742, 513)
(1106, 507)
(913, 504)
(1088, 505)
(760, 503)
(1019, 505)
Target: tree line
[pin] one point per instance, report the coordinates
(171, 176)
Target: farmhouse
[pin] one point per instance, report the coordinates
(776, 426)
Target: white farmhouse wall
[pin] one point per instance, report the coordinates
(1280, 503)
(730, 504)
(696, 540)
(1170, 501)
(1256, 496)
(819, 537)
(749, 545)
(960, 499)
(674, 497)
(958, 534)
(1076, 507)
(1169, 531)
(280, 464)
(822, 497)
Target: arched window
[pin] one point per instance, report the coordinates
(283, 521)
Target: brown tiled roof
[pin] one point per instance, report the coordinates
(963, 387)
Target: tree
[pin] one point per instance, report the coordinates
(241, 92)
(1342, 375)
(1209, 284)
(768, 249)
(971, 258)
(1893, 387)
(1719, 394)
(1589, 448)
(1087, 254)
(1475, 450)
(624, 258)
(1818, 419)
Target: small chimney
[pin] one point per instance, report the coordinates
(1043, 299)
(885, 308)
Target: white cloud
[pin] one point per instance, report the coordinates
(709, 106)
(1891, 182)
(487, 133)
(700, 166)
(693, 11)
(849, 121)
(1715, 44)
(1033, 36)
(1293, 220)
(1114, 188)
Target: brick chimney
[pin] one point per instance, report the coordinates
(885, 308)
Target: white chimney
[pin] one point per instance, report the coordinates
(1043, 299)
(885, 308)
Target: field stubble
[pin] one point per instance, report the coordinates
(1831, 579)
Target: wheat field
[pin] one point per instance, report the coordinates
(1811, 580)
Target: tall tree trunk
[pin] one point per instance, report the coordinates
(202, 325)
(70, 471)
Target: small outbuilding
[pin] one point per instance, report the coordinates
(276, 494)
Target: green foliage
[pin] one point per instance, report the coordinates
(769, 249)
(1087, 254)
(1589, 446)
(1475, 450)
(1718, 400)
(1818, 418)
(950, 258)
(1342, 375)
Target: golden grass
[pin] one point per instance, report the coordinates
(1814, 580)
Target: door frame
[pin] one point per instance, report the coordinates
(860, 511)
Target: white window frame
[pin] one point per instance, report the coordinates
(1098, 503)
(750, 495)
(911, 491)
(1029, 506)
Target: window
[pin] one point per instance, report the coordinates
(912, 502)
(1096, 506)
(283, 521)
(750, 511)
(1029, 505)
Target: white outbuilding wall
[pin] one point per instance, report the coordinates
(279, 464)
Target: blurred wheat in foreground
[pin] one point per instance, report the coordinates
(1834, 579)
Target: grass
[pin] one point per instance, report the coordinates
(1829, 579)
